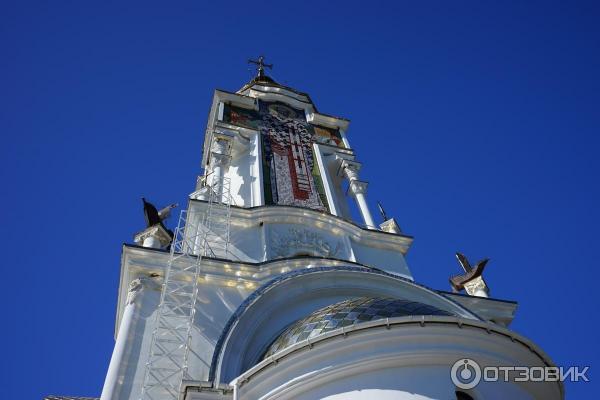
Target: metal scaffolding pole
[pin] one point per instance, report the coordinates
(197, 235)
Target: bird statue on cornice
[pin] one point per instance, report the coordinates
(471, 272)
(154, 216)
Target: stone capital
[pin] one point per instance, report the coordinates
(221, 144)
(138, 285)
(357, 187)
(156, 231)
(350, 169)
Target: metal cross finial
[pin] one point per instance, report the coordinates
(261, 65)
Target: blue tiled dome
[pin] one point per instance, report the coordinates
(349, 312)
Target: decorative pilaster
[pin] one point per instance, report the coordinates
(358, 190)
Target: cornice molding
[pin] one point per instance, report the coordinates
(155, 230)
(256, 90)
(138, 261)
(317, 219)
(328, 121)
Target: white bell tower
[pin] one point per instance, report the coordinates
(268, 289)
(277, 149)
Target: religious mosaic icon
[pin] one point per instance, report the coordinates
(288, 152)
(241, 117)
(291, 173)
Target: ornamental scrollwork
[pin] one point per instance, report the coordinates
(303, 241)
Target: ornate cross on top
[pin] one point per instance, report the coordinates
(261, 65)
(472, 280)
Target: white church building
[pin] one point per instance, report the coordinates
(268, 289)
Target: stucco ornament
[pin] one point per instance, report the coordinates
(303, 241)
(220, 145)
(476, 287)
(137, 285)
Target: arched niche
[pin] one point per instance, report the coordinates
(270, 309)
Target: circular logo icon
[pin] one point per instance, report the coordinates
(465, 373)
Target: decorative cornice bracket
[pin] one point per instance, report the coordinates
(157, 231)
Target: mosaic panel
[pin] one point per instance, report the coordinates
(328, 136)
(291, 175)
(241, 117)
(346, 313)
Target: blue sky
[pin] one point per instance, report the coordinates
(476, 122)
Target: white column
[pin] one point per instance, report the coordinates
(358, 190)
(130, 315)
(219, 161)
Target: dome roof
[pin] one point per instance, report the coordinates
(349, 312)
